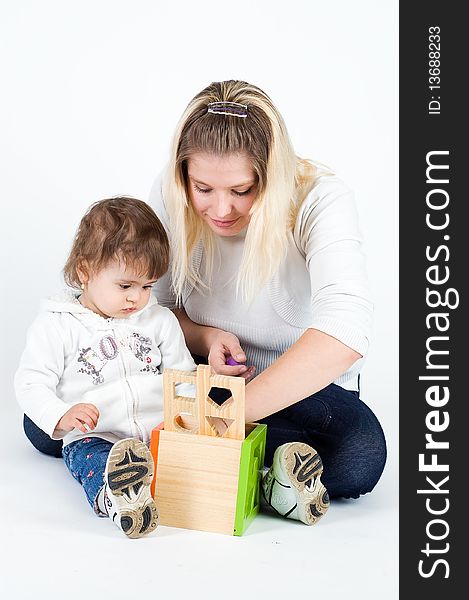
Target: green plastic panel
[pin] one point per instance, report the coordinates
(250, 468)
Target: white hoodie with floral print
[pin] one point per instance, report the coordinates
(73, 355)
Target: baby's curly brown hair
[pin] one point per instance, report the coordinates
(120, 228)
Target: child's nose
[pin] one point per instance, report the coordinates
(133, 295)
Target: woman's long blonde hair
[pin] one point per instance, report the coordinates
(283, 182)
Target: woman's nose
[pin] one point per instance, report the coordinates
(223, 207)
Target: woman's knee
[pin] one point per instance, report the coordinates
(355, 460)
(358, 465)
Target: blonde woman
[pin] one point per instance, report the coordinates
(267, 269)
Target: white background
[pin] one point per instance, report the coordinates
(90, 94)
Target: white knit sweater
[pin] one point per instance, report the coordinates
(322, 283)
(73, 355)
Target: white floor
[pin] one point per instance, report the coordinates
(54, 547)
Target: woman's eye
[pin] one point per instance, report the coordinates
(242, 193)
(208, 190)
(204, 191)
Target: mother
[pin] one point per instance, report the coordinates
(267, 267)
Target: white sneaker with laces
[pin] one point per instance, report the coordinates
(127, 479)
(292, 486)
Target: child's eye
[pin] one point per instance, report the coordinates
(148, 287)
(124, 286)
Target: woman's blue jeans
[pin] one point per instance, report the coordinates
(345, 433)
(334, 421)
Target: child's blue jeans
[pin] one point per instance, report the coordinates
(86, 460)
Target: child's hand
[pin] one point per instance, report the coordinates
(81, 416)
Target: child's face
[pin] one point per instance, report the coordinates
(116, 291)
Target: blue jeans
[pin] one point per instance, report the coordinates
(86, 460)
(344, 431)
(40, 440)
(334, 421)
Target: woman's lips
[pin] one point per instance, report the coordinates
(224, 224)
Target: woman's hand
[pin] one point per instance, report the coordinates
(81, 416)
(222, 346)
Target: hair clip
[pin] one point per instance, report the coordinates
(233, 109)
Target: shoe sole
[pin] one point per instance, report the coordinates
(303, 467)
(129, 475)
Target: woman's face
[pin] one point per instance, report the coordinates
(222, 190)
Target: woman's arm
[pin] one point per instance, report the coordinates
(312, 363)
(309, 365)
(215, 344)
(198, 337)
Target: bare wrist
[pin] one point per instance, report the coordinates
(210, 335)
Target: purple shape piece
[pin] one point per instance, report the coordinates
(231, 361)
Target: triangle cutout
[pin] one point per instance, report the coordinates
(212, 420)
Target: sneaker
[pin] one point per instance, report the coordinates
(292, 486)
(127, 479)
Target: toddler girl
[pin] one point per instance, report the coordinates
(91, 372)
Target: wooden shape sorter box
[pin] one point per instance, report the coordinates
(204, 480)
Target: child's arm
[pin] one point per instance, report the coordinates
(40, 370)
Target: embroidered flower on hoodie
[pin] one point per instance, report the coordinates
(92, 364)
(141, 348)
